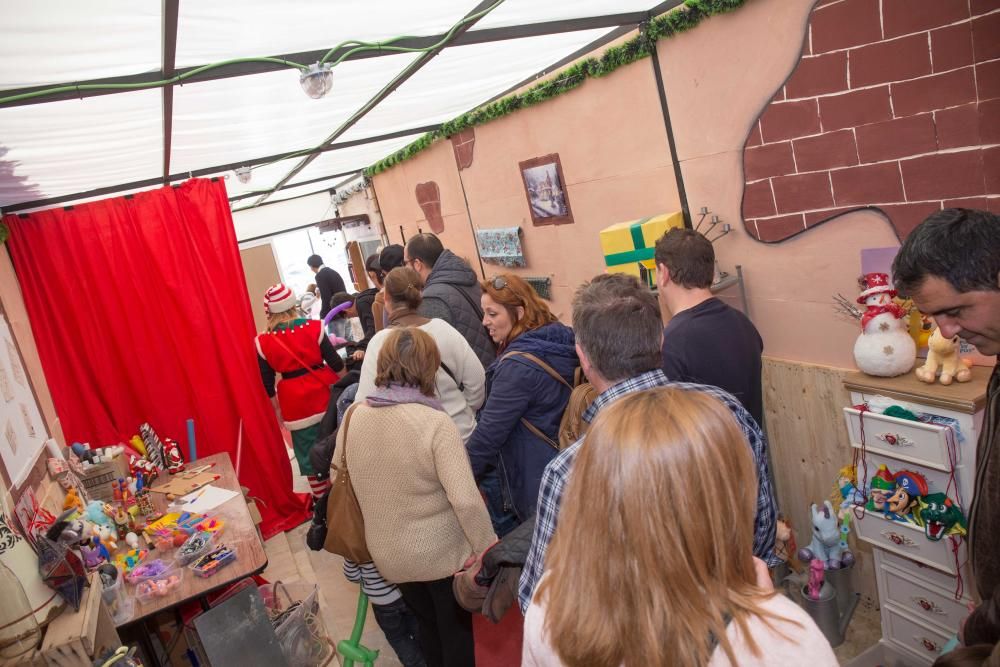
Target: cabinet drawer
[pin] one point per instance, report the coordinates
(923, 444)
(928, 574)
(921, 638)
(908, 540)
(936, 606)
(937, 480)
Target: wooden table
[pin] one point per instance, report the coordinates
(239, 533)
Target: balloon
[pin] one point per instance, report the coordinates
(336, 311)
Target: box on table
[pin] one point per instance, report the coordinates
(97, 478)
(628, 247)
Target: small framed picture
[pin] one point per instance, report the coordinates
(545, 189)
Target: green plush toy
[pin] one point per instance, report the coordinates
(940, 516)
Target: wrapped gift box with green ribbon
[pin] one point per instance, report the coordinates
(629, 246)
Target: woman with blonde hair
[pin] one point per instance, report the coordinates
(527, 388)
(423, 514)
(652, 563)
(298, 349)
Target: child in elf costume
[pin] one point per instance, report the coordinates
(297, 348)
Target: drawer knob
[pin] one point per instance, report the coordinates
(927, 605)
(928, 644)
(894, 439)
(896, 538)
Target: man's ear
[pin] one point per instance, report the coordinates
(662, 276)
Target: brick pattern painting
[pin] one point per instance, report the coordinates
(894, 104)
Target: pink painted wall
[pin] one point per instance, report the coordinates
(610, 136)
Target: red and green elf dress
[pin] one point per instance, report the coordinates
(297, 350)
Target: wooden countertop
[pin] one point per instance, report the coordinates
(968, 397)
(239, 533)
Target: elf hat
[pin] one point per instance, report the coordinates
(912, 482)
(278, 298)
(875, 283)
(883, 479)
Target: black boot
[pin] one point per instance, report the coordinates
(316, 535)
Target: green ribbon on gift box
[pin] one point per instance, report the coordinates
(640, 253)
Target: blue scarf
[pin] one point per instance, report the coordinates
(400, 394)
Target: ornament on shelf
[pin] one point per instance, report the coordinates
(939, 516)
(910, 486)
(942, 357)
(880, 488)
(885, 347)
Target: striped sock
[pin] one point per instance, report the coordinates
(318, 486)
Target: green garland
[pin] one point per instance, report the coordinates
(637, 48)
(4, 233)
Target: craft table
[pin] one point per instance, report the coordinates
(240, 534)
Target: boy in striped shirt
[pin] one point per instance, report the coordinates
(391, 613)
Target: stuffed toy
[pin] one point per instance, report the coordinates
(910, 486)
(940, 516)
(942, 353)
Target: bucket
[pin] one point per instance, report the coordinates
(833, 610)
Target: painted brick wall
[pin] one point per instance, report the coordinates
(895, 104)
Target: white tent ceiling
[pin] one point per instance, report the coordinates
(79, 143)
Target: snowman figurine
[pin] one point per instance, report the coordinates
(884, 347)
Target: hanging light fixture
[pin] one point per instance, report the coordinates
(316, 80)
(243, 174)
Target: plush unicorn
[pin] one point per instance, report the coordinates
(827, 544)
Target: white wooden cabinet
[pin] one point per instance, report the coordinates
(920, 581)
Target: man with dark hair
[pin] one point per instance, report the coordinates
(618, 331)
(706, 340)
(328, 281)
(451, 292)
(950, 266)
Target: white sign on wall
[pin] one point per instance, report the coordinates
(22, 431)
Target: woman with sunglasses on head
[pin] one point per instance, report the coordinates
(527, 388)
(652, 563)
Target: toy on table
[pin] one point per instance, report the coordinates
(175, 462)
(121, 522)
(73, 500)
(827, 544)
(67, 530)
(194, 548)
(213, 561)
(130, 559)
(132, 540)
(816, 573)
(96, 515)
(939, 516)
(942, 355)
(885, 347)
(157, 586)
(909, 487)
(209, 525)
(148, 570)
(880, 488)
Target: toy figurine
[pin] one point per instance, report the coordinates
(108, 538)
(121, 523)
(816, 572)
(175, 462)
(132, 540)
(942, 354)
(909, 487)
(827, 544)
(846, 492)
(940, 516)
(73, 501)
(880, 488)
(784, 544)
(116, 491)
(885, 347)
(91, 554)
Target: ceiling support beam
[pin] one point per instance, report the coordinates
(387, 90)
(171, 8)
(309, 57)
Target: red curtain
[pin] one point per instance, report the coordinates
(140, 311)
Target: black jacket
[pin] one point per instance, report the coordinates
(452, 294)
(363, 302)
(329, 283)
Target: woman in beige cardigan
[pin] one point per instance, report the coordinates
(423, 513)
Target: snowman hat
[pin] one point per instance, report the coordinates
(883, 479)
(279, 298)
(912, 482)
(875, 283)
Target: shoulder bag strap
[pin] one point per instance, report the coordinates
(541, 364)
(343, 450)
(299, 359)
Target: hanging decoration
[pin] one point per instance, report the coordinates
(501, 246)
(429, 198)
(691, 14)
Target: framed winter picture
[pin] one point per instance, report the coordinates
(22, 431)
(545, 188)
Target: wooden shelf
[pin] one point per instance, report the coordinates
(968, 397)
